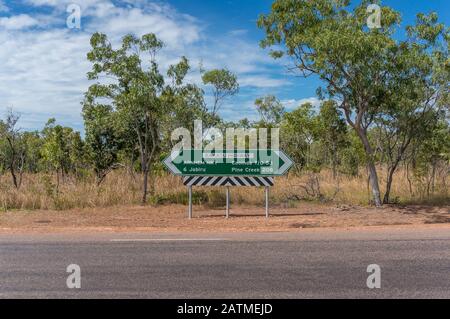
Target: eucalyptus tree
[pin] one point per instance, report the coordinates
(102, 141)
(12, 148)
(33, 143)
(430, 158)
(62, 149)
(298, 133)
(270, 109)
(224, 85)
(129, 78)
(187, 105)
(359, 66)
(418, 92)
(332, 132)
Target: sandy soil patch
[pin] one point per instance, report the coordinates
(244, 219)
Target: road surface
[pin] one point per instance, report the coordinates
(308, 264)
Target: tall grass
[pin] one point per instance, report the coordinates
(40, 191)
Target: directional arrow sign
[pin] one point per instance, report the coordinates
(228, 163)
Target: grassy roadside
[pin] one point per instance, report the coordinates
(41, 192)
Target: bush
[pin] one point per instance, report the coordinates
(216, 199)
(182, 198)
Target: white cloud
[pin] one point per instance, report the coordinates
(246, 109)
(43, 2)
(262, 81)
(43, 70)
(292, 104)
(238, 55)
(170, 27)
(18, 22)
(63, 3)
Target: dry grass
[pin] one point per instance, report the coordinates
(39, 192)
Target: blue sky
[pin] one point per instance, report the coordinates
(43, 65)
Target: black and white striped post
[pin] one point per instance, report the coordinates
(228, 182)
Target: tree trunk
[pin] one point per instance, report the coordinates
(145, 171)
(21, 170)
(63, 177)
(14, 177)
(390, 178)
(374, 183)
(368, 185)
(12, 162)
(100, 178)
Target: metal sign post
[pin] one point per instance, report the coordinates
(267, 202)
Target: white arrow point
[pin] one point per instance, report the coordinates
(287, 162)
(169, 163)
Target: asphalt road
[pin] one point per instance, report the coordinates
(316, 264)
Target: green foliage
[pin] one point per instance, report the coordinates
(33, 144)
(352, 157)
(331, 133)
(143, 105)
(372, 74)
(224, 84)
(385, 103)
(62, 148)
(103, 143)
(297, 135)
(13, 150)
(270, 110)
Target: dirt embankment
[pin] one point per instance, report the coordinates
(244, 219)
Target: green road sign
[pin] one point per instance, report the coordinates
(228, 163)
